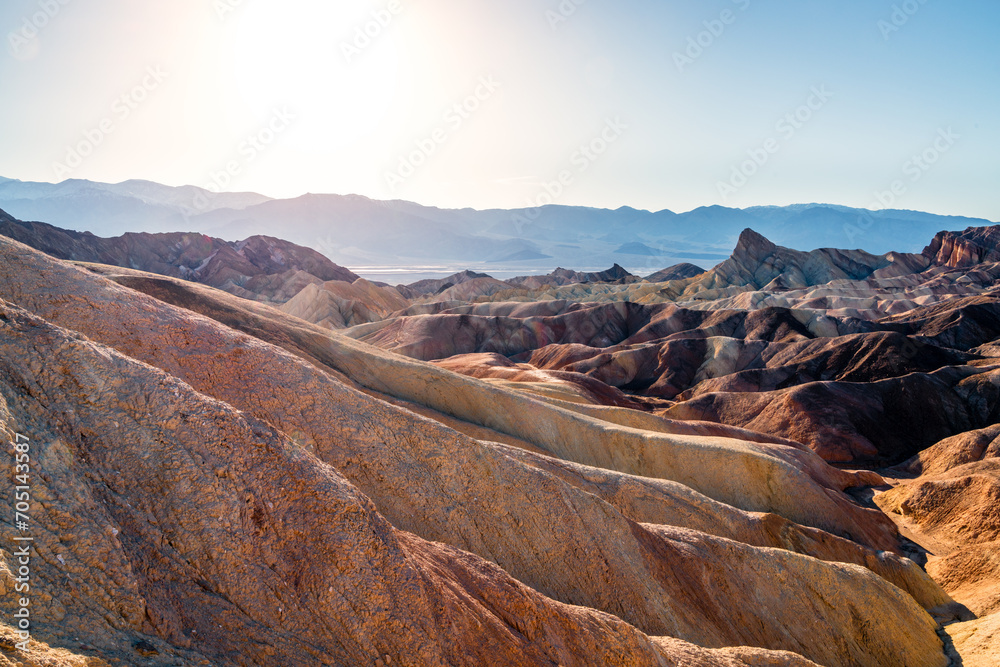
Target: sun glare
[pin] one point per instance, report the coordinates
(308, 56)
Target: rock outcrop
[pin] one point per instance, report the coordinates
(954, 501)
(976, 245)
(878, 423)
(758, 263)
(961, 324)
(675, 272)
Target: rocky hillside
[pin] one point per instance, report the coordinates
(338, 304)
(436, 286)
(758, 263)
(560, 276)
(259, 267)
(219, 482)
(675, 272)
(787, 460)
(976, 245)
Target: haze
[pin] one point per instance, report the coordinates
(174, 92)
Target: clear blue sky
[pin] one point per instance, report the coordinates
(330, 113)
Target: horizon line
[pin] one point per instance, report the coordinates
(495, 208)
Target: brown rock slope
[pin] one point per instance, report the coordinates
(675, 272)
(470, 494)
(441, 330)
(563, 276)
(961, 324)
(976, 245)
(955, 501)
(506, 329)
(840, 283)
(877, 422)
(686, 363)
(757, 262)
(875, 392)
(918, 386)
(172, 527)
(976, 642)
(471, 290)
(563, 433)
(260, 267)
(952, 507)
(338, 304)
(40, 654)
(438, 285)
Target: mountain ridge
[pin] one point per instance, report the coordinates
(353, 229)
(256, 267)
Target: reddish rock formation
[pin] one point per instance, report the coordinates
(758, 263)
(976, 245)
(446, 334)
(880, 422)
(259, 267)
(683, 363)
(471, 290)
(961, 324)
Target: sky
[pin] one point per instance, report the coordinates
(667, 104)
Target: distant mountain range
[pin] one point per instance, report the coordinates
(359, 232)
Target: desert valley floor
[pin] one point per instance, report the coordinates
(244, 454)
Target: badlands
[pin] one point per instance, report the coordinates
(244, 454)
